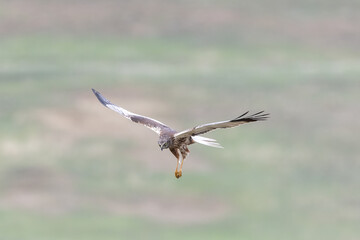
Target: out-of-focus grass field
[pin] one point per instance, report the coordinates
(72, 169)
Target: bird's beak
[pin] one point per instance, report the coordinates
(162, 147)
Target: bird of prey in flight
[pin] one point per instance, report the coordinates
(177, 142)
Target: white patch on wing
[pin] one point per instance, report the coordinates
(120, 110)
(208, 125)
(207, 141)
(155, 129)
(129, 115)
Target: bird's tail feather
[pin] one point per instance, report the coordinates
(207, 141)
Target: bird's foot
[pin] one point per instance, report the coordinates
(178, 174)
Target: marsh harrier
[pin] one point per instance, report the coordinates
(177, 142)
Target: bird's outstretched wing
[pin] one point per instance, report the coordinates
(260, 116)
(153, 124)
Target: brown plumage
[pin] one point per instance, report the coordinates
(177, 142)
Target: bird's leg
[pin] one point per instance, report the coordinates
(179, 173)
(177, 155)
(182, 162)
(184, 152)
(177, 166)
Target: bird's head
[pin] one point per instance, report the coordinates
(164, 144)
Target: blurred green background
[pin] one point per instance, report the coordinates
(72, 169)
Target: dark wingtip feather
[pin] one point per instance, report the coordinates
(103, 100)
(242, 115)
(259, 116)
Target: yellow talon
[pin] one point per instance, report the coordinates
(178, 174)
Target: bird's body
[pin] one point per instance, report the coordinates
(177, 142)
